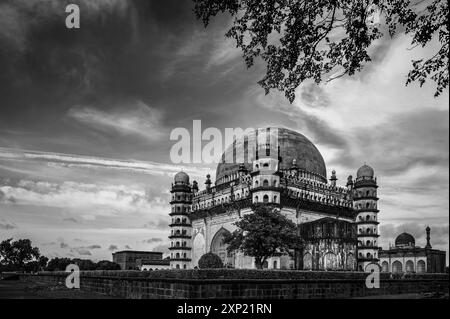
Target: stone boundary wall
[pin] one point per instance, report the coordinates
(243, 284)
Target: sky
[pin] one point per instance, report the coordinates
(86, 116)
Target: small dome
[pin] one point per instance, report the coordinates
(365, 171)
(181, 177)
(405, 240)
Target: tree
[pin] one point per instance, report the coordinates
(15, 254)
(264, 233)
(210, 260)
(301, 40)
(42, 262)
(58, 264)
(107, 265)
(84, 264)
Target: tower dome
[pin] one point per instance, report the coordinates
(405, 240)
(293, 147)
(181, 177)
(365, 171)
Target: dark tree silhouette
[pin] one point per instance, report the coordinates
(210, 260)
(14, 255)
(302, 39)
(264, 233)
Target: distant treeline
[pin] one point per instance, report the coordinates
(21, 256)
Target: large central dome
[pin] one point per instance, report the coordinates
(293, 145)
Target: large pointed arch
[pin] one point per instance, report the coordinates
(219, 248)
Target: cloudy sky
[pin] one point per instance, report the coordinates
(86, 115)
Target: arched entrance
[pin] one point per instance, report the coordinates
(220, 249)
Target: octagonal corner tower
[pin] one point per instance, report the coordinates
(293, 147)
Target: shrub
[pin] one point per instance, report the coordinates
(210, 260)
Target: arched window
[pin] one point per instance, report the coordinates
(256, 199)
(275, 199)
(265, 183)
(177, 255)
(397, 267)
(421, 266)
(409, 266)
(265, 199)
(275, 266)
(384, 266)
(368, 243)
(178, 266)
(184, 267)
(368, 217)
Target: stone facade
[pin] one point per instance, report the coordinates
(406, 257)
(130, 259)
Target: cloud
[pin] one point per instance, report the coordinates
(6, 199)
(103, 199)
(113, 247)
(73, 220)
(82, 251)
(152, 240)
(89, 162)
(4, 225)
(127, 247)
(160, 224)
(93, 247)
(439, 233)
(164, 248)
(135, 118)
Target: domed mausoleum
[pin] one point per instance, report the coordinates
(406, 257)
(284, 169)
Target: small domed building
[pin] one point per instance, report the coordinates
(406, 257)
(281, 168)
